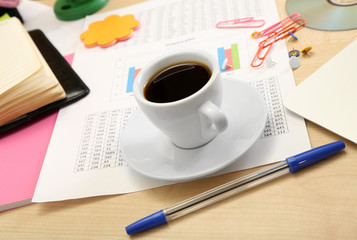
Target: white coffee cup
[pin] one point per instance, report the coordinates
(194, 120)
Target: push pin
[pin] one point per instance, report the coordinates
(256, 35)
(293, 37)
(294, 62)
(225, 65)
(269, 62)
(306, 50)
(294, 53)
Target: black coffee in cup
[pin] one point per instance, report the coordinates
(177, 82)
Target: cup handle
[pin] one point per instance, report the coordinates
(213, 120)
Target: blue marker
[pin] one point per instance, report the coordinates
(290, 164)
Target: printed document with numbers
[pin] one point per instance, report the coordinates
(84, 157)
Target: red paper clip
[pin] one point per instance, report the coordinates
(248, 22)
(265, 46)
(276, 26)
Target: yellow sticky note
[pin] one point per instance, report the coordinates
(109, 31)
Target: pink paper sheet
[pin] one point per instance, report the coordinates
(21, 157)
(69, 58)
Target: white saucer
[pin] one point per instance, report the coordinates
(151, 153)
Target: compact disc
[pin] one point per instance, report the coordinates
(325, 14)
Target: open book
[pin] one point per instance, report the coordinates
(26, 81)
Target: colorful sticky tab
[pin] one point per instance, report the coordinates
(5, 16)
(109, 31)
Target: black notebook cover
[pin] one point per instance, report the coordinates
(73, 86)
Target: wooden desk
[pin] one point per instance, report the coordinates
(317, 203)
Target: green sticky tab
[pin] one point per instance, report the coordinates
(5, 16)
(235, 56)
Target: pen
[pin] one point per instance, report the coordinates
(290, 164)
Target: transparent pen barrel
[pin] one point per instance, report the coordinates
(226, 190)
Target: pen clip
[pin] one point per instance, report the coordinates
(314, 155)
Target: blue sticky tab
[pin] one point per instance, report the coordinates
(221, 57)
(148, 222)
(131, 76)
(314, 155)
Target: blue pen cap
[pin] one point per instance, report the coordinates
(314, 155)
(148, 222)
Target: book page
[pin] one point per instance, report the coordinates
(18, 60)
(84, 157)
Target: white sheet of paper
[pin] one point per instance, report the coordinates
(84, 157)
(328, 96)
(64, 35)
